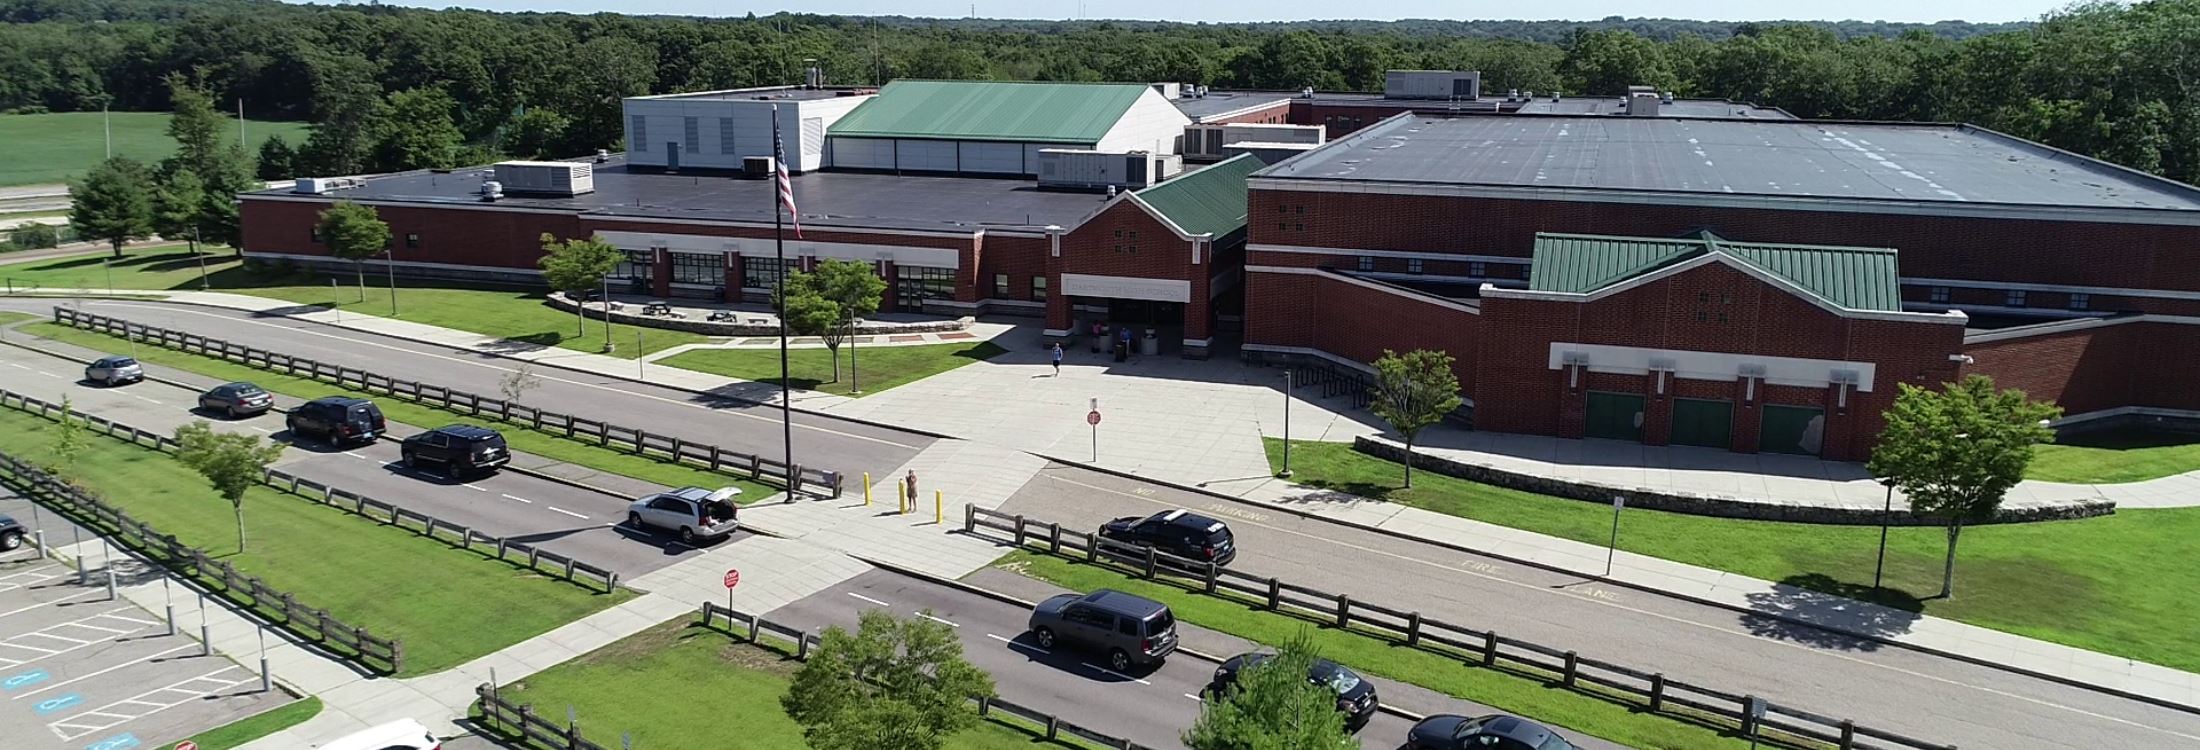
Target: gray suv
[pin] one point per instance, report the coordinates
(1132, 630)
(114, 370)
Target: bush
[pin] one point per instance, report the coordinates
(34, 237)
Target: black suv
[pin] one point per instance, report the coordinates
(337, 420)
(1355, 695)
(1177, 532)
(460, 448)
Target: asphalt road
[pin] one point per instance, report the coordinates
(1884, 687)
(822, 442)
(561, 518)
(1150, 707)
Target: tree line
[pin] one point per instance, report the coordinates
(393, 88)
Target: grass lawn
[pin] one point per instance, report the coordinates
(882, 367)
(54, 148)
(519, 437)
(621, 688)
(251, 728)
(2116, 456)
(161, 266)
(1507, 691)
(456, 605)
(2116, 584)
(10, 316)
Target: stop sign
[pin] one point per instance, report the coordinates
(187, 745)
(1093, 417)
(733, 578)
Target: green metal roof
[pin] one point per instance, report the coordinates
(1077, 113)
(1210, 200)
(1854, 278)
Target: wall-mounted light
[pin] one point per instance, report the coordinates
(1574, 362)
(1750, 375)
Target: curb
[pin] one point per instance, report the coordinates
(1645, 588)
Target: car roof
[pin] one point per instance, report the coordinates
(111, 358)
(471, 432)
(1190, 520)
(400, 733)
(339, 400)
(240, 384)
(1515, 728)
(1122, 603)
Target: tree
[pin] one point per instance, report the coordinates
(114, 202)
(517, 383)
(1955, 453)
(69, 437)
(416, 132)
(1414, 391)
(538, 133)
(278, 161)
(35, 235)
(1272, 706)
(233, 462)
(177, 204)
(579, 265)
(899, 683)
(355, 233)
(195, 126)
(827, 302)
(230, 173)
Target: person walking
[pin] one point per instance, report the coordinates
(1099, 335)
(1057, 359)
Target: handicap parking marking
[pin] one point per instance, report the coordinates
(57, 703)
(25, 679)
(123, 741)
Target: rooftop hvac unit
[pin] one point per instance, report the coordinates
(311, 185)
(1432, 84)
(1271, 133)
(756, 167)
(603, 155)
(491, 191)
(1077, 169)
(566, 178)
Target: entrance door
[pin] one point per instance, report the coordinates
(1793, 429)
(1703, 422)
(1617, 416)
(672, 156)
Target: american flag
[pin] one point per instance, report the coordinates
(779, 169)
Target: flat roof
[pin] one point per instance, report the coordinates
(827, 199)
(1934, 163)
(1612, 105)
(773, 93)
(1225, 102)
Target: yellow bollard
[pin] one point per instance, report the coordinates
(939, 507)
(866, 489)
(901, 499)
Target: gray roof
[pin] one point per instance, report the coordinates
(878, 201)
(1224, 102)
(1612, 105)
(773, 93)
(1929, 163)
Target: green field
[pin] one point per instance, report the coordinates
(882, 367)
(250, 728)
(55, 148)
(621, 688)
(521, 439)
(165, 266)
(2116, 456)
(456, 606)
(2117, 584)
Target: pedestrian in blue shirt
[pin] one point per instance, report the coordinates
(1057, 359)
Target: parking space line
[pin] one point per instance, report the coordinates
(44, 653)
(938, 620)
(79, 595)
(78, 678)
(1191, 696)
(45, 373)
(188, 695)
(357, 456)
(17, 366)
(7, 583)
(568, 512)
(1114, 674)
(131, 620)
(869, 599)
(262, 429)
(516, 497)
(474, 488)
(144, 399)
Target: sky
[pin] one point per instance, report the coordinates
(1291, 10)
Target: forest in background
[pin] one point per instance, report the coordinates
(393, 88)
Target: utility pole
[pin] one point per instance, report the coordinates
(1286, 473)
(240, 122)
(107, 122)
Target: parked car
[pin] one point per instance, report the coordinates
(12, 534)
(1355, 695)
(460, 448)
(1493, 732)
(1177, 532)
(237, 399)
(337, 420)
(1132, 630)
(114, 370)
(403, 734)
(694, 512)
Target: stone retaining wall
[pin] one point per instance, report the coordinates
(729, 328)
(1723, 506)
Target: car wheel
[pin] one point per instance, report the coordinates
(687, 534)
(1120, 660)
(231, 410)
(1045, 637)
(634, 520)
(408, 460)
(11, 542)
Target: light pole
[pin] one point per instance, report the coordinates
(391, 266)
(1286, 473)
(1886, 517)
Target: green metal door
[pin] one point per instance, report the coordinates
(1792, 429)
(1617, 416)
(1703, 422)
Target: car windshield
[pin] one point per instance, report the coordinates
(247, 389)
(1337, 678)
(1161, 623)
(1555, 742)
(121, 362)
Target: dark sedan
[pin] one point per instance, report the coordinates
(1493, 732)
(237, 400)
(1355, 695)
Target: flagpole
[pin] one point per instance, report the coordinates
(779, 295)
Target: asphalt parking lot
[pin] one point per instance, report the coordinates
(80, 671)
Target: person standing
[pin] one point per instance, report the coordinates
(1099, 335)
(1057, 359)
(911, 482)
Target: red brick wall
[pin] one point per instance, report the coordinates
(1125, 240)
(1356, 322)
(2131, 364)
(458, 236)
(1021, 258)
(1274, 114)
(1341, 119)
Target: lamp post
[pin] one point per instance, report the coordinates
(1286, 473)
(1886, 517)
(391, 267)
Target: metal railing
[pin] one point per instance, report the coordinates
(456, 535)
(1649, 691)
(640, 442)
(350, 641)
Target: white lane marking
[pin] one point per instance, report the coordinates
(869, 599)
(1191, 696)
(516, 497)
(45, 373)
(474, 488)
(17, 366)
(145, 660)
(20, 610)
(938, 620)
(675, 402)
(262, 429)
(1113, 673)
(144, 399)
(1670, 618)
(567, 512)
(357, 456)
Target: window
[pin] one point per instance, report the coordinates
(1367, 263)
(1937, 294)
(2013, 298)
(725, 136)
(1297, 227)
(1478, 269)
(1700, 316)
(1000, 286)
(636, 266)
(690, 136)
(1039, 288)
(1413, 265)
(1127, 626)
(638, 135)
(692, 268)
(759, 273)
(412, 239)
(315, 234)
(2081, 301)
(915, 284)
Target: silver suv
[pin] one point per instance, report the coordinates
(1133, 631)
(114, 370)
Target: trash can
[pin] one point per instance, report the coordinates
(1122, 351)
(1151, 345)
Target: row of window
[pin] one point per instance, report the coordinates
(1002, 289)
(313, 234)
(1475, 268)
(693, 268)
(2016, 298)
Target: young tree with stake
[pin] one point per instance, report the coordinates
(355, 233)
(1413, 391)
(575, 266)
(69, 439)
(232, 462)
(1954, 453)
(898, 683)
